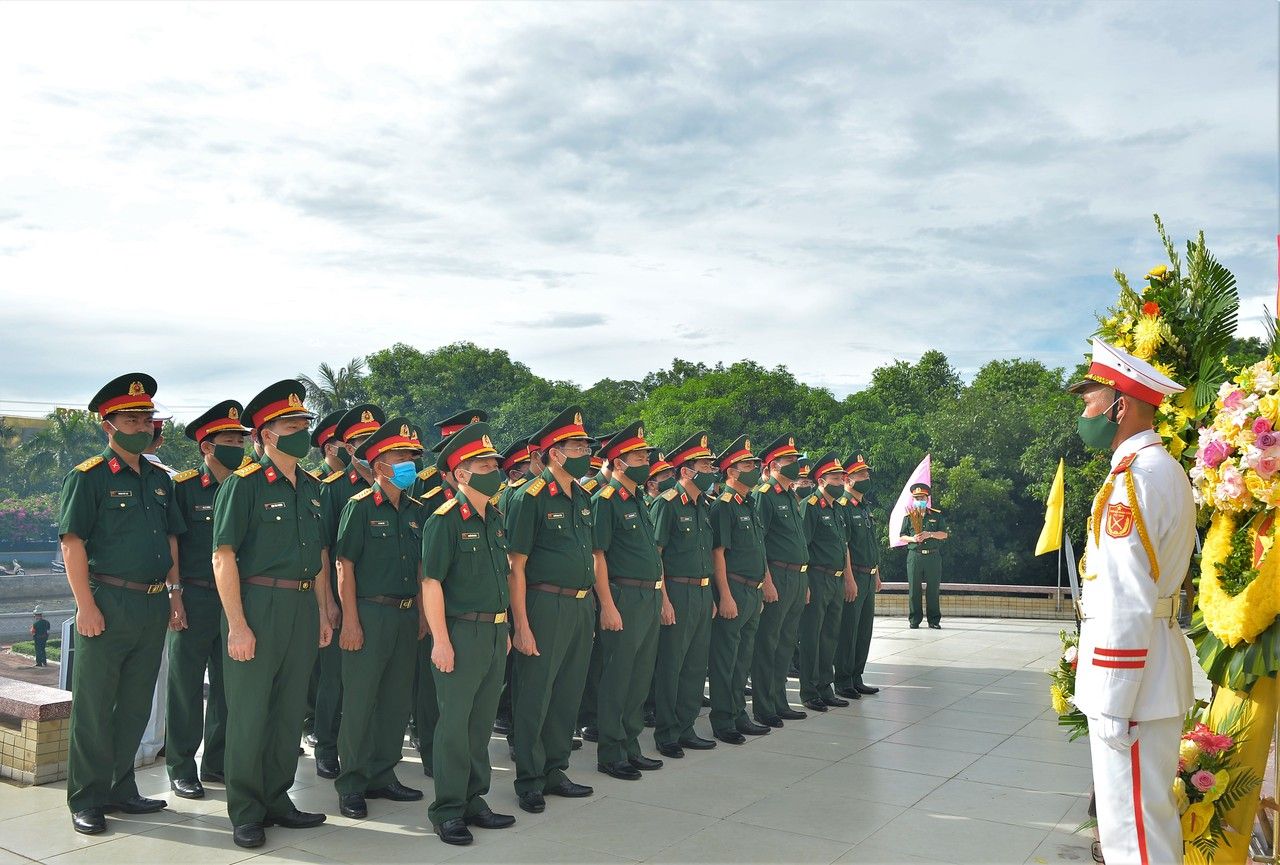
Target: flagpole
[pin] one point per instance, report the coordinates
(1059, 608)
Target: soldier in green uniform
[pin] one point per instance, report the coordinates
(267, 557)
(925, 529)
(552, 573)
(198, 647)
(591, 690)
(662, 477)
(40, 636)
(629, 588)
(737, 557)
(353, 429)
(516, 464)
(118, 522)
(464, 592)
(785, 589)
(682, 529)
(858, 617)
(377, 553)
(831, 584)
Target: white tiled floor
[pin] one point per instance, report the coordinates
(956, 760)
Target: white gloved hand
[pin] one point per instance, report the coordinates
(1115, 732)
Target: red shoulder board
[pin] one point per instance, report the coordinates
(354, 477)
(737, 498)
(777, 488)
(204, 481)
(1124, 464)
(465, 510)
(555, 490)
(622, 493)
(1119, 520)
(270, 474)
(377, 496)
(114, 465)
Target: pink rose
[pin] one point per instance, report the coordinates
(1203, 780)
(1214, 453)
(1235, 399)
(1261, 425)
(1266, 440)
(1267, 467)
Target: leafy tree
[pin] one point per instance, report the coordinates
(72, 436)
(332, 389)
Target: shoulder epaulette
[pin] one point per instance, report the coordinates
(333, 477)
(934, 511)
(410, 499)
(1124, 464)
(589, 484)
(89, 463)
(813, 500)
(186, 476)
(535, 487)
(425, 474)
(516, 484)
(363, 494)
(844, 500)
(607, 492)
(447, 506)
(764, 487)
(245, 471)
(431, 493)
(670, 494)
(726, 497)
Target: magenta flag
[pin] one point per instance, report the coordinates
(922, 475)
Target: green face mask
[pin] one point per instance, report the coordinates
(637, 474)
(295, 444)
(833, 490)
(704, 480)
(863, 485)
(486, 484)
(134, 443)
(791, 471)
(1097, 432)
(230, 456)
(577, 466)
(344, 456)
(749, 478)
(667, 484)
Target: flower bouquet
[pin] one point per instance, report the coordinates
(1062, 688)
(1210, 782)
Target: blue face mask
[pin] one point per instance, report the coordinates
(403, 475)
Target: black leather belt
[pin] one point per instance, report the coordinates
(272, 583)
(558, 590)
(826, 572)
(788, 566)
(145, 588)
(638, 584)
(689, 581)
(388, 601)
(199, 584)
(495, 618)
(738, 578)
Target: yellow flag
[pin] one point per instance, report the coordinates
(1051, 534)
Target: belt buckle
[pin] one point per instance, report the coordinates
(155, 588)
(406, 603)
(704, 582)
(657, 584)
(304, 585)
(839, 573)
(760, 585)
(499, 618)
(804, 568)
(581, 594)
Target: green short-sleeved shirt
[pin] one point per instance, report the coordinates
(624, 532)
(195, 491)
(383, 542)
(273, 527)
(467, 555)
(864, 546)
(40, 629)
(335, 491)
(825, 530)
(682, 529)
(737, 528)
(124, 517)
(779, 511)
(933, 522)
(553, 527)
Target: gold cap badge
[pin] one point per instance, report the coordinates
(366, 416)
(577, 418)
(136, 389)
(404, 430)
(484, 440)
(703, 443)
(295, 400)
(233, 413)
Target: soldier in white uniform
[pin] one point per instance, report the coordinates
(1134, 676)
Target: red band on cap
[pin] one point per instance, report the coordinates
(572, 431)
(271, 411)
(618, 447)
(736, 457)
(466, 452)
(393, 443)
(325, 434)
(1114, 378)
(218, 425)
(516, 458)
(362, 428)
(827, 468)
(126, 402)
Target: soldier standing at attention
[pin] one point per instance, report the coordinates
(378, 550)
(831, 584)
(629, 588)
(785, 592)
(464, 593)
(220, 436)
(682, 528)
(662, 477)
(336, 459)
(591, 691)
(925, 529)
(516, 465)
(552, 573)
(40, 636)
(858, 617)
(268, 540)
(118, 523)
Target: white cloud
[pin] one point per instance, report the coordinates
(225, 194)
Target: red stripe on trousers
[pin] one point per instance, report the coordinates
(1121, 653)
(1119, 665)
(1135, 768)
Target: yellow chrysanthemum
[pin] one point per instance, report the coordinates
(1166, 370)
(1157, 272)
(1239, 619)
(1147, 337)
(1058, 699)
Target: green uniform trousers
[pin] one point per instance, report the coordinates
(113, 679)
(924, 567)
(732, 643)
(819, 632)
(328, 701)
(591, 688)
(547, 688)
(266, 699)
(426, 708)
(626, 670)
(468, 700)
(377, 696)
(681, 670)
(776, 644)
(309, 719)
(188, 720)
(856, 623)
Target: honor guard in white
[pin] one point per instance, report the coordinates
(1134, 676)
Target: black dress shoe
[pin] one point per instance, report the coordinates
(866, 689)
(502, 726)
(697, 743)
(454, 831)
(813, 706)
(137, 805)
(936, 627)
(790, 714)
(396, 792)
(644, 764)
(213, 777)
(487, 819)
(569, 790)
(834, 702)
(532, 802)
(352, 805)
(90, 821)
(622, 770)
(750, 728)
(851, 693)
(577, 744)
(668, 749)
(771, 721)
(650, 719)
(915, 627)
(732, 737)
(184, 789)
(249, 835)
(295, 819)
(591, 734)
(328, 767)
(310, 740)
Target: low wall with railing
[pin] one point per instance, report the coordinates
(984, 600)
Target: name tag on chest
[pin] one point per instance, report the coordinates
(471, 536)
(121, 494)
(379, 523)
(273, 506)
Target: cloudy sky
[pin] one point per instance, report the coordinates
(225, 195)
